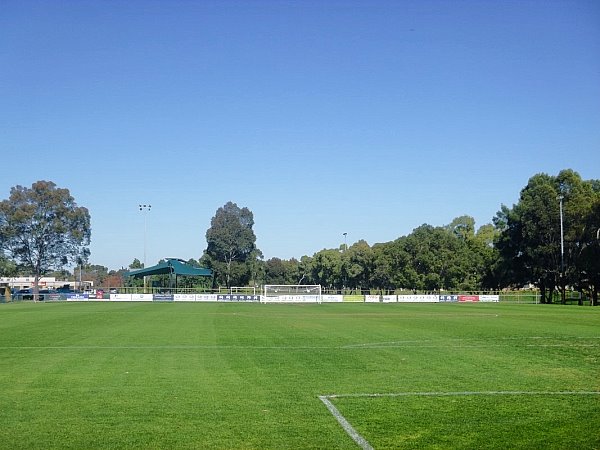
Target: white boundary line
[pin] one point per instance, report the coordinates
(365, 445)
(425, 343)
(349, 429)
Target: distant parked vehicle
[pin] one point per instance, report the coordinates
(27, 294)
(65, 290)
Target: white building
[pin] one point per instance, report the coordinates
(44, 283)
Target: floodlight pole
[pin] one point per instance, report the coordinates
(345, 241)
(562, 251)
(145, 209)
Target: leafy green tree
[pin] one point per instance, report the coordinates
(358, 263)
(231, 252)
(43, 228)
(303, 270)
(483, 247)
(462, 227)
(326, 269)
(433, 257)
(529, 242)
(275, 271)
(136, 264)
(7, 267)
(583, 237)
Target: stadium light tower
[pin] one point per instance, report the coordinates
(145, 209)
(562, 242)
(562, 250)
(345, 241)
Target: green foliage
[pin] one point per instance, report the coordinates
(43, 228)
(529, 242)
(231, 251)
(7, 267)
(430, 258)
(136, 264)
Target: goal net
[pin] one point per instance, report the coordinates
(292, 293)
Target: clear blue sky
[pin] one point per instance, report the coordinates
(322, 117)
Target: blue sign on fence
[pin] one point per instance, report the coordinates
(448, 298)
(163, 297)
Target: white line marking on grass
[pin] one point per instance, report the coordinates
(365, 445)
(349, 429)
(459, 393)
(165, 347)
(413, 343)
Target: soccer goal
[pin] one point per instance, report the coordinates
(292, 293)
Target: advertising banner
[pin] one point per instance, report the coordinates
(120, 297)
(448, 298)
(163, 297)
(291, 299)
(389, 298)
(489, 298)
(354, 298)
(468, 298)
(332, 298)
(142, 297)
(206, 297)
(184, 297)
(418, 298)
(372, 298)
(237, 298)
(77, 297)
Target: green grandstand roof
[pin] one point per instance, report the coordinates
(170, 266)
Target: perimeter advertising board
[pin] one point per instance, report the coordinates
(120, 297)
(237, 298)
(131, 297)
(77, 297)
(489, 298)
(291, 299)
(418, 298)
(206, 297)
(184, 297)
(381, 298)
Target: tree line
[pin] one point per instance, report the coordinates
(549, 239)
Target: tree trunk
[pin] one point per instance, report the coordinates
(543, 293)
(36, 287)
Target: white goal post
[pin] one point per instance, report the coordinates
(292, 293)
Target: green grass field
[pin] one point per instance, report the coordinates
(242, 376)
